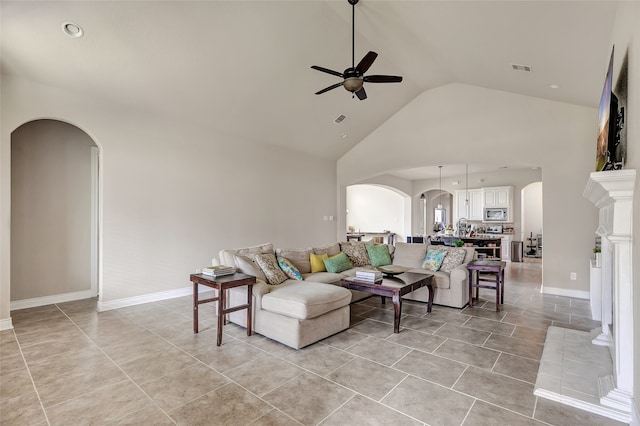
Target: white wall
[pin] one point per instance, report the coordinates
(482, 125)
(531, 211)
(173, 195)
(50, 210)
(374, 209)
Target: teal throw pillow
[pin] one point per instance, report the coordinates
(289, 268)
(338, 263)
(433, 260)
(379, 255)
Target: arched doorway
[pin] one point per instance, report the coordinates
(54, 214)
(531, 220)
(378, 208)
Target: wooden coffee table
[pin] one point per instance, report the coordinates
(394, 287)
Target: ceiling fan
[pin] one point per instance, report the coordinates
(353, 76)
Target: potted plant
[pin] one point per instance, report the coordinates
(598, 254)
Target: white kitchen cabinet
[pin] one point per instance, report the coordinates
(460, 206)
(475, 204)
(498, 196)
(505, 247)
(473, 211)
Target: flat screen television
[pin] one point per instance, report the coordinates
(608, 139)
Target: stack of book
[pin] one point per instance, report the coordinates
(368, 276)
(218, 271)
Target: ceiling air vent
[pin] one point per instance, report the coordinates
(339, 119)
(525, 68)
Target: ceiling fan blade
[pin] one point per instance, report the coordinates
(326, 89)
(361, 94)
(382, 79)
(328, 71)
(366, 62)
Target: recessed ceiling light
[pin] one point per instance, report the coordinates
(72, 30)
(554, 86)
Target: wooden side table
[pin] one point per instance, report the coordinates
(488, 267)
(222, 284)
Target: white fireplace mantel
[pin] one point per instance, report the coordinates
(612, 192)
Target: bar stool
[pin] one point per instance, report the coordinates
(487, 267)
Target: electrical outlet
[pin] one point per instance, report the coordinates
(573, 276)
(330, 218)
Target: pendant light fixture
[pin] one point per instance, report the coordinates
(440, 196)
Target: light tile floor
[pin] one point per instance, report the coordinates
(67, 364)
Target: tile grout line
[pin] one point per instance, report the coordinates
(33, 383)
(118, 367)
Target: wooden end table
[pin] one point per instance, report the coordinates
(489, 267)
(394, 287)
(222, 284)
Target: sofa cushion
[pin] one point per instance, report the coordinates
(248, 266)
(289, 268)
(356, 252)
(433, 260)
(269, 265)
(252, 251)
(329, 249)
(338, 263)
(409, 255)
(306, 300)
(316, 261)
(454, 258)
(378, 254)
(324, 277)
(298, 256)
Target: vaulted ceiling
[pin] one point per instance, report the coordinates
(242, 68)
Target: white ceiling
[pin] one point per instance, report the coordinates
(243, 68)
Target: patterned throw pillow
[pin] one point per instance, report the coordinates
(356, 252)
(338, 263)
(453, 259)
(379, 255)
(317, 264)
(289, 268)
(433, 260)
(269, 265)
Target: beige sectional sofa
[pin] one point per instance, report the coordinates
(299, 313)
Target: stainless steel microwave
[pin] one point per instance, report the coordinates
(499, 214)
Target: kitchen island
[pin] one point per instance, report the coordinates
(489, 246)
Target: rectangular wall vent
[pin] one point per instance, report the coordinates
(517, 67)
(339, 119)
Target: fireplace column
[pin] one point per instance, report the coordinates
(612, 193)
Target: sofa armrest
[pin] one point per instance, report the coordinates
(459, 274)
(260, 288)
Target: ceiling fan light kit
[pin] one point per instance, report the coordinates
(353, 77)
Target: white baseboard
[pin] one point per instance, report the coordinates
(50, 300)
(145, 298)
(6, 324)
(579, 294)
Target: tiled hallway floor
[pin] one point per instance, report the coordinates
(67, 364)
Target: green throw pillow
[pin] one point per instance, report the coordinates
(379, 255)
(338, 263)
(433, 260)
